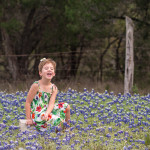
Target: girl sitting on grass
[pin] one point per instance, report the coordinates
(41, 108)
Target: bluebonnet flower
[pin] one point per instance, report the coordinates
(4, 121)
(125, 148)
(95, 124)
(72, 145)
(78, 126)
(58, 147)
(8, 117)
(108, 135)
(110, 129)
(76, 141)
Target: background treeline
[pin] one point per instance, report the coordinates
(85, 37)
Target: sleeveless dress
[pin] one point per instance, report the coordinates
(39, 106)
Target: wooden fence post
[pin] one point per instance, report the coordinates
(129, 60)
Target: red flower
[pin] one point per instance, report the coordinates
(44, 126)
(65, 110)
(60, 105)
(49, 116)
(38, 108)
(40, 94)
(33, 116)
(42, 116)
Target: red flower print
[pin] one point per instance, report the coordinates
(65, 110)
(33, 116)
(44, 126)
(49, 116)
(40, 94)
(42, 116)
(38, 108)
(60, 105)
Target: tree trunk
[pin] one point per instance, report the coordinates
(80, 53)
(73, 60)
(118, 58)
(101, 58)
(12, 60)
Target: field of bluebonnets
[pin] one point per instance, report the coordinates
(98, 121)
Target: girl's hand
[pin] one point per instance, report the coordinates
(46, 117)
(29, 122)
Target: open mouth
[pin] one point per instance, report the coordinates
(49, 74)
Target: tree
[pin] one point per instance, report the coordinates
(66, 29)
(21, 28)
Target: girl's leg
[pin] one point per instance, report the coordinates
(67, 114)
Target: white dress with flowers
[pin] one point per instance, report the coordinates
(39, 106)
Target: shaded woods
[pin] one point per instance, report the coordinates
(85, 38)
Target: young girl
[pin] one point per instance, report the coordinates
(41, 108)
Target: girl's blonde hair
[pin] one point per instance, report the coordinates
(44, 61)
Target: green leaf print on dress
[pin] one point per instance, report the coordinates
(57, 121)
(54, 111)
(62, 114)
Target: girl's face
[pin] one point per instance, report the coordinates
(48, 71)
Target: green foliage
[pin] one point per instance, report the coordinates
(107, 87)
(135, 89)
(142, 5)
(12, 25)
(31, 3)
(56, 26)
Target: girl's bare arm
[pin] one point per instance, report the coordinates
(51, 103)
(32, 92)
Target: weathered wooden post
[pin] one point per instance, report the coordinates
(129, 60)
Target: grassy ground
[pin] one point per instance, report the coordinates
(78, 84)
(98, 121)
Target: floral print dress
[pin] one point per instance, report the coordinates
(39, 106)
